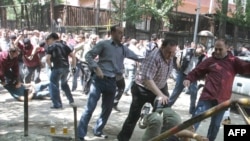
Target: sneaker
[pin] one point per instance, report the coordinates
(226, 121)
(101, 136)
(52, 107)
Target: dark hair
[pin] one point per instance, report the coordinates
(52, 36)
(26, 41)
(223, 40)
(168, 42)
(113, 28)
(154, 37)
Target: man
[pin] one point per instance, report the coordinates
(30, 58)
(219, 72)
(92, 40)
(189, 59)
(149, 83)
(152, 44)
(9, 76)
(78, 51)
(111, 56)
(57, 59)
(4, 40)
(162, 119)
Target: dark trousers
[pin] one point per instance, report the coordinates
(120, 86)
(140, 96)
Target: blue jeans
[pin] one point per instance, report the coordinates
(131, 77)
(179, 88)
(106, 87)
(83, 71)
(59, 74)
(41, 89)
(15, 92)
(215, 122)
(29, 71)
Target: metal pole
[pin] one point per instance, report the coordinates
(26, 112)
(197, 20)
(75, 121)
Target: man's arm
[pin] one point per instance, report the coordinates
(150, 84)
(186, 134)
(48, 60)
(73, 57)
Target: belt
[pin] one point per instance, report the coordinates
(108, 77)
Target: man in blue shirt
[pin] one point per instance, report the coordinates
(109, 67)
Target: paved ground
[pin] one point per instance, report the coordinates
(40, 115)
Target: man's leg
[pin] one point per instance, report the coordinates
(75, 76)
(37, 74)
(202, 106)
(177, 89)
(193, 96)
(94, 95)
(65, 86)
(154, 123)
(120, 88)
(54, 88)
(107, 105)
(131, 77)
(133, 116)
(214, 126)
(28, 71)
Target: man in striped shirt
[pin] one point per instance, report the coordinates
(149, 83)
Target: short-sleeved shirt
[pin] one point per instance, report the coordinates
(59, 54)
(155, 68)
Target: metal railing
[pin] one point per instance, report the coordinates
(239, 103)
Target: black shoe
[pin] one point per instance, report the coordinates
(52, 107)
(101, 136)
(116, 109)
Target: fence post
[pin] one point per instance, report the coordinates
(75, 121)
(26, 112)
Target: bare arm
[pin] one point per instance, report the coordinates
(48, 60)
(72, 55)
(186, 135)
(152, 86)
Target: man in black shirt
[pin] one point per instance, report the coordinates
(57, 60)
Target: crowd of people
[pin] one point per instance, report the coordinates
(103, 65)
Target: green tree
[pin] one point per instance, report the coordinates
(137, 9)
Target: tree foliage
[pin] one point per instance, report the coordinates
(137, 9)
(239, 17)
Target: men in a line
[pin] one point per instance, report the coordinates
(57, 60)
(108, 67)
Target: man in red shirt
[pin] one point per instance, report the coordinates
(31, 60)
(219, 72)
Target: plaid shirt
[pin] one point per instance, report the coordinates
(155, 68)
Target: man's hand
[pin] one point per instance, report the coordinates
(200, 138)
(30, 57)
(163, 99)
(73, 70)
(186, 83)
(18, 85)
(99, 73)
